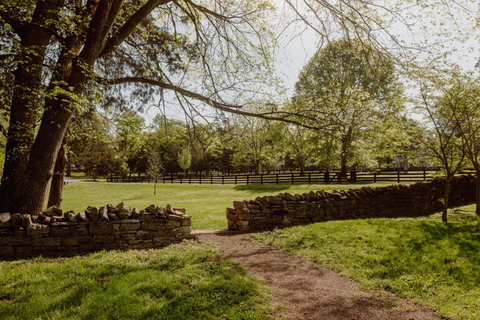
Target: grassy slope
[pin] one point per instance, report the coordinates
(206, 203)
(183, 281)
(422, 259)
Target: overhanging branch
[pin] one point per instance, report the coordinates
(235, 109)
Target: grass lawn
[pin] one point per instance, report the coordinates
(422, 259)
(206, 203)
(183, 281)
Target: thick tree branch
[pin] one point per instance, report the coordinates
(235, 109)
(131, 24)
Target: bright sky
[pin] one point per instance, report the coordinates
(298, 44)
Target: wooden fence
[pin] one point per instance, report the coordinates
(396, 176)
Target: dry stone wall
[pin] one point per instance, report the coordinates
(265, 213)
(54, 234)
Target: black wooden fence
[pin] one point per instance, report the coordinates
(396, 176)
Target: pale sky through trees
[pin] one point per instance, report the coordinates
(298, 43)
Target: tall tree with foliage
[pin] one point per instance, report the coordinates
(344, 87)
(463, 98)
(60, 49)
(444, 104)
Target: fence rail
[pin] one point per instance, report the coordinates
(396, 176)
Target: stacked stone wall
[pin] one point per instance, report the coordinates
(53, 234)
(265, 213)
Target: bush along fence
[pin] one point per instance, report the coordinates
(319, 177)
(109, 227)
(265, 213)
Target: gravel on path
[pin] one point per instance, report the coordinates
(302, 289)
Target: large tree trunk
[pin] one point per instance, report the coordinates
(43, 156)
(301, 165)
(25, 104)
(56, 186)
(343, 160)
(405, 162)
(446, 196)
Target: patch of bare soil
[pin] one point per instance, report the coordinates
(302, 289)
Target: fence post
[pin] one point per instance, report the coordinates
(398, 176)
(276, 178)
(424, 174)
(375, 176)
(326, 177)
(223, 179)
(293, 180)
(261, 178)
(247, 178)
(200, 179)
(171, 176)
(309, 178)
(339, 179)
(353, 176)
(236, 179)
(189, 179)
(211, 179)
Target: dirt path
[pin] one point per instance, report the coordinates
(308, 290)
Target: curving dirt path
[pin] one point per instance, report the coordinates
(302, 289)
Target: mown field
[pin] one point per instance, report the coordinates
(422, 259)
(206, 203)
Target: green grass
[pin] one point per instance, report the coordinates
(206, 203)
(422, 259)
(183, 281)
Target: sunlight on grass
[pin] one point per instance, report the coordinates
(422, 259)
(206, 203)
(184, 281)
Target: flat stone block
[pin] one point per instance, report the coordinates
(75, 241)
(46, 242)
(126, 221)
(184, 230)
(7, 252)
(146, 218)
(130, 226)
(143, 235)
(60, 231)
(38, 230)
(173, 224)
(165, 233)
(63, 224)
(149, 226)
(172, 217)
(15, 241)
(127, 236)
(23, 252)
(90, 247)
(103, 239)
(80, 230)
(100, 228)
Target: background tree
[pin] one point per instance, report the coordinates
(345, 87)
(185, 159)
(443, 106)
(464, 97)
(154, 169)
